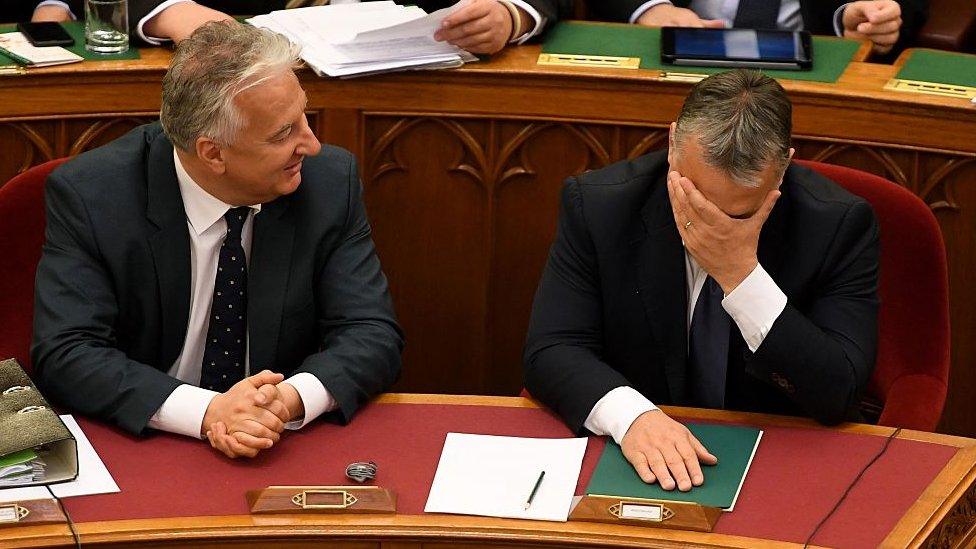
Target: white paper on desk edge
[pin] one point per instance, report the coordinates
(93, 477)
(742, 480)
(487, 475)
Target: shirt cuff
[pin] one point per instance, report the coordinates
(839, 20)
(59, 4)
(616, 411)
(644, 7)
(155, 41)
(182, 412)
(315, 398)
(540, 22)
(755, 304)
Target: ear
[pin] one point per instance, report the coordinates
(790, 157)
(671, 146)
(211, 155)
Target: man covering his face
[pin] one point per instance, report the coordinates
(714, 274)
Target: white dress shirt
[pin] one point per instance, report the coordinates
(183, 410)
(789, 17)
(754, 305)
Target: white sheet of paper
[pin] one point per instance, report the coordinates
(493, 476)
(17, 44)
(93, 477)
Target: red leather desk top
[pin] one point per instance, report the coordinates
(796, 478)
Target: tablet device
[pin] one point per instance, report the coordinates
(761, 49)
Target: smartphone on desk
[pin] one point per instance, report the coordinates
(45, 34)
(761, 49)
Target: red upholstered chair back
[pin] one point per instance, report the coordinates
(21, 237)
(912, 369)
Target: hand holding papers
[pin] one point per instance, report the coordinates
(365, 38)
(494, 476)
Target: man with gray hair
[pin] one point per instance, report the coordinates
(191, 265)
(713, 274)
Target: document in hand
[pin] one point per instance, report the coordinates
(496, 476)
(366, 38)
(733, 446)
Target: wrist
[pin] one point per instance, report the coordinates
(650, 16)
(730, 278)
(514, 17)
(292, 401)
(211, 416)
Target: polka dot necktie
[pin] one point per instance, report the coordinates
(223, 359)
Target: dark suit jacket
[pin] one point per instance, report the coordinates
(611, 307)
(818, 15)
(113, 284)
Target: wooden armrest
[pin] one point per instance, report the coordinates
(951, 26)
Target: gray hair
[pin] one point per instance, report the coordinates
(743, 121)
(209, 69)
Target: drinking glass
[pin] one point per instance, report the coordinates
(107, 26)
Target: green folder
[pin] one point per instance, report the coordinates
(734, 447)
(77, 31)
(830, 55)
(940, 67)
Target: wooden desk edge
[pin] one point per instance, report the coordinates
(378, 527)
(937, 506)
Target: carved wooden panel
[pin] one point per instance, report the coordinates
(27, 144)
(958, 529)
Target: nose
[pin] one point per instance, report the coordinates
(309, 144)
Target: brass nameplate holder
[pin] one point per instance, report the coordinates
(569, 60)
(42, 511)
(931, 88)
(690, 77)
(677, 515)
(321, 499)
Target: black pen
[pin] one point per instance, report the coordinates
(535, 489)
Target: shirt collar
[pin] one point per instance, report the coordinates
(202, 208)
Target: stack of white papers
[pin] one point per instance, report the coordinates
(496, 476)
(17, 47)
(366, 38)
(24, 467)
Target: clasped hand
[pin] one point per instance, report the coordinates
(725, 247)
(251, 415)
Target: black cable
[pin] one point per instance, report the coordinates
(884, 448)
(71, 523)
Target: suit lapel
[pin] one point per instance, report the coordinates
(170, 247)
(662, 281)
(267, 280)
(772, 239)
